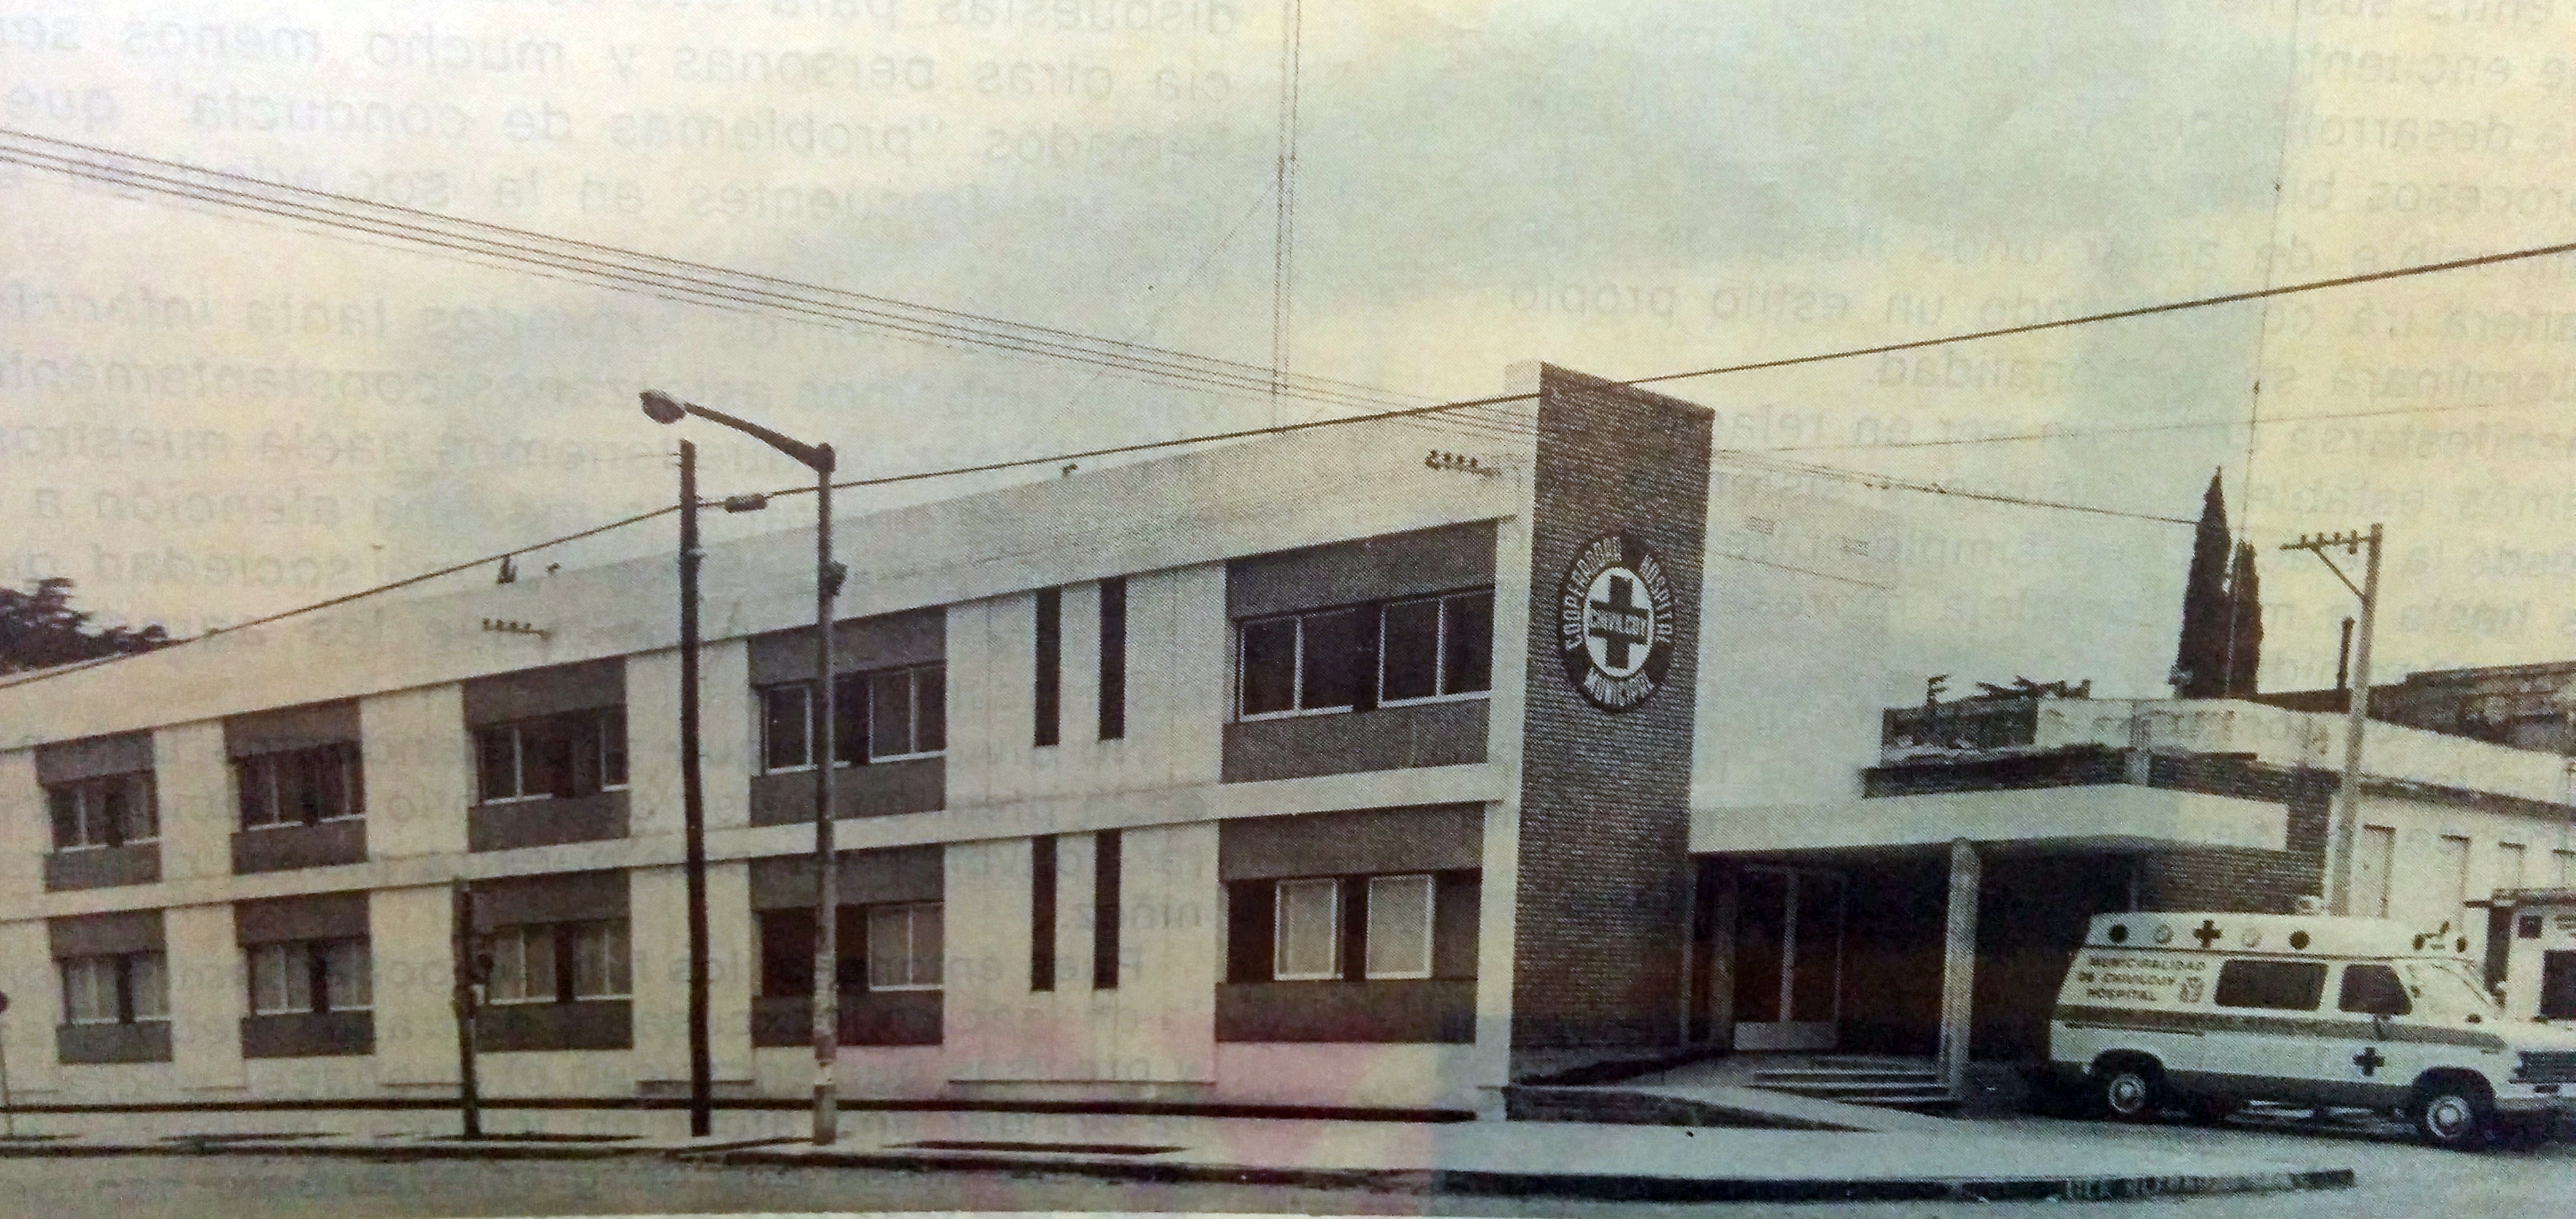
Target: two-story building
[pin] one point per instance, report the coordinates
(1318, 770)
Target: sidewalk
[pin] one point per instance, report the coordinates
(1959, 1161)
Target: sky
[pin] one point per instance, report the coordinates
(1623, 188)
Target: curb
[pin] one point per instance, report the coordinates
(1596, 1186)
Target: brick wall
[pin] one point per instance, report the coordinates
(1605, 798)
(2241, 879)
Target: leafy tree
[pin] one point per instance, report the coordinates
(39, 629)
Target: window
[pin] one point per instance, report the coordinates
(108, 811)
(786, 727)
(904, 947)
(300, 786)
(891, 715)
(2373, 989)
(559, 962)
(1050, 663)
(1399, 926)
(1308, 946)
(310, 976)
(1302, 662)
(1113, 658)
(117, 989)
(2288, 986)
(1105, 905)
(2446, 987)
(577, 753)
(907, 713)
(1436, 647)
(1042, 913)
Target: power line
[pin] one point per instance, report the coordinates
(2200, 302)
(1750, 458)
(471, 239)
(2200, 425)
(1889, 483)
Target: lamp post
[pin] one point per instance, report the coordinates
(662, 408)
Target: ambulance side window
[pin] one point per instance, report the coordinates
(2374, 990)
(2289, 986)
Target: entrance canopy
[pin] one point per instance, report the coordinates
(2111, 816)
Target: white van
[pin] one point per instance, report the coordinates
(2211, 1010)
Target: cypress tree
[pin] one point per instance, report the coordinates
(2200, 656)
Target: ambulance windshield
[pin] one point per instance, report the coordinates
(2447, 990)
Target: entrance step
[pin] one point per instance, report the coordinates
(1882, 1084)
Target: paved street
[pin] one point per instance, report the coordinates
(2395, 1179)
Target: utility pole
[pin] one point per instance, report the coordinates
(469, 981)
(693, 802)
(827, 899)
(2347, 805)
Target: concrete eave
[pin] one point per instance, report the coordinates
(2113, 816)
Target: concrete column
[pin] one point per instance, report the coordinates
(26, 835)
(1959, 964)
(415, 966)
(729, 732)
(35, 1002)
(658, 925)
(193, 789)
(653, 757)
(420, 776)
(209, 995)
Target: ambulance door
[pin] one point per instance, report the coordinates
(2362, 1052)
(2264, 1037)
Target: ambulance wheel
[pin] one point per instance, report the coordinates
(2129, 1089)
(2452, 1113)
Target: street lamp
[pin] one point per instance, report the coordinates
(662, 408)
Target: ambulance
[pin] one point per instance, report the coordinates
(2206, 1011)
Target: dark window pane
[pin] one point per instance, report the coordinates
(545, 759)
(499, 763)
(612, 747)
(331, 781)
(581, 735)
(1050, 665)
(248, 785)
(783, 725)
(850, 716)
(1409, 654)
(786, 953)
(354, 770)
(109, 813)
(1330, 653)
(1269, 666)
(143, 815)
(930, 705)
(299, 781)
(2373, 989)
(1468, 650)
(889, 714)
(2290, 986)
(65, 802)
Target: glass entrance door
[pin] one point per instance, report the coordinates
(1788, 958)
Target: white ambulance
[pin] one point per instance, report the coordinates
(2207, 1011)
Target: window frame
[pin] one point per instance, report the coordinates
(98, 975)
(913, 913)
(1430, 886)
(1297, 664)
(911, 675)
(267, 767)
(607, 726)
(311, 961)
(89, 791)
(804, 691)
(2313, 970)
(1332, 887)
(123, 975)
(1441, 628)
